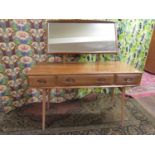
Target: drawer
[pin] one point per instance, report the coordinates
(128, 79)
(42, 81)
(85, 80)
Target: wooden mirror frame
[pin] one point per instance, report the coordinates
(83, 21)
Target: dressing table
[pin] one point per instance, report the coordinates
(111, 74)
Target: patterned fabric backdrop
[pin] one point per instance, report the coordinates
(22, 45)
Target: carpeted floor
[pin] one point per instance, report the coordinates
(99, 117)
(145, 93)
(146, 88)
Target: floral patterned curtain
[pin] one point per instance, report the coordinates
(22, 45)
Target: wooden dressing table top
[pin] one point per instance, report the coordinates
(82, 68)
(82, 75)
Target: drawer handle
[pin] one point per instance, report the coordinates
(101, 79)
(128, 79)
(42, 81)
(69, 80)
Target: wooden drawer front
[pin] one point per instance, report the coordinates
(85, 80)
(128, 79)
(42, 81)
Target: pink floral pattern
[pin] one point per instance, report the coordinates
(22, 45)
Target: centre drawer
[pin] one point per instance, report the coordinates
(42, 81)
(85, 80)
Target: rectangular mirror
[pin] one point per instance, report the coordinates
(81, 36)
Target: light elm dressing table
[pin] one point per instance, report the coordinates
(78, 36)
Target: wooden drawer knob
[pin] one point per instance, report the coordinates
(43, 81)
(70, 80)
(101, 79)
(128, 80)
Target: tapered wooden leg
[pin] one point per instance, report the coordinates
(122, 106)
(48, 99)
(112, 93)
(44, 109)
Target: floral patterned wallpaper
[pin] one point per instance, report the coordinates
(22, 45)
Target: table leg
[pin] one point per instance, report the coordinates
(44, 109)
(48, 100)
(112, 93)
(122, 106)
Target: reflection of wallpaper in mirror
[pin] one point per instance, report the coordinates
(74, 37)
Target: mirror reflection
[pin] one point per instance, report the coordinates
(74, 37)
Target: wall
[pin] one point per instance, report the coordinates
(22, 45)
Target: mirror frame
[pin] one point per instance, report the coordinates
(83, 21)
